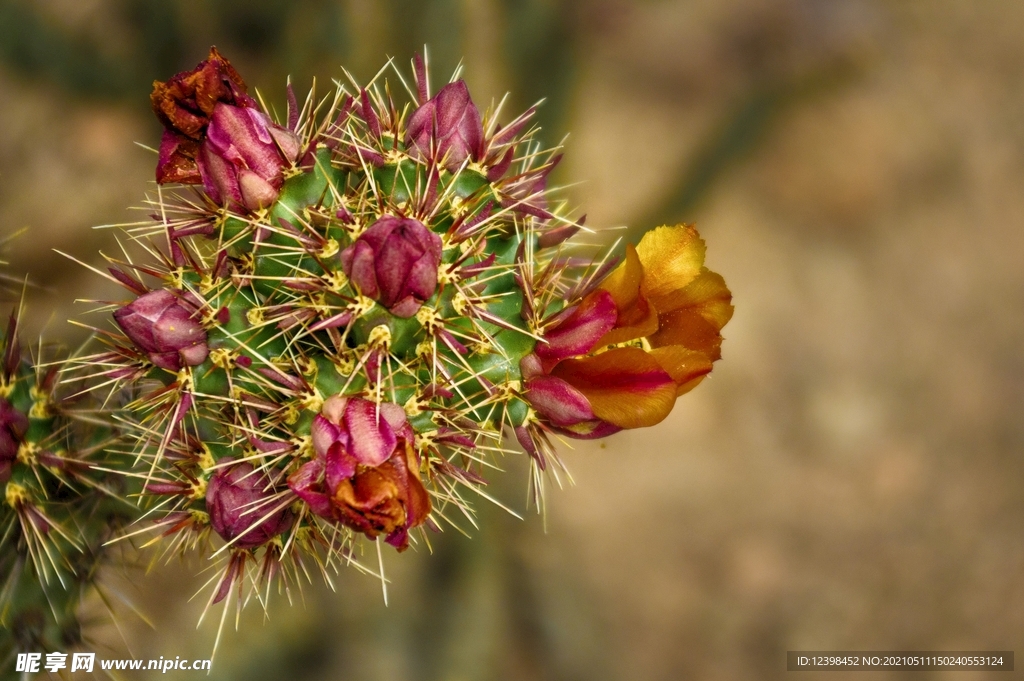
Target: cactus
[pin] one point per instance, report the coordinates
(343, 319)
(61, 504)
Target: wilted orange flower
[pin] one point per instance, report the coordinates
(648, 333)
(366, 473)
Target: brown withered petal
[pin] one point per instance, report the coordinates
(388, 499)
(178, 155)
(186, 101)
(370, 502)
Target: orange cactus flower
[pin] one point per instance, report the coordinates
(648, 333)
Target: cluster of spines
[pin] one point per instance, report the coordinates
(61, 503)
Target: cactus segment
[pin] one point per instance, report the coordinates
(342, 319)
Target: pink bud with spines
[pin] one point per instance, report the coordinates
(162, 327)
(243, 157)
(239, 500)
(449, 125)
(395, 262)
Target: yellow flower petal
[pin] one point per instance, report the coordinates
(707, 294)
(687, 328)
(697, 316)
(671, 257)
(639, 321)
(635, 318)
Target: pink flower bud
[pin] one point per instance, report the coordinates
(242, 506)
(13, 426)
(162, 327)
(395, 262)
(243, 156)
(450, 123)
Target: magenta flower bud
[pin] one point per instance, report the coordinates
(450, 123)
(395, 262)
(242, 505)
(13, 426)
(162, 327)
(243, 157)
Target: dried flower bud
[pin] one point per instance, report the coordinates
(389, 499)
(366, 472)
(184, 104)
(395, 262)
(242, 506)
(242, 159)
(450, 123)
(162, 327)
(13, 426)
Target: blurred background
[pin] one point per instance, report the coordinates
(849, 477)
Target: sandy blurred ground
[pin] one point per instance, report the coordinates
(850, 475)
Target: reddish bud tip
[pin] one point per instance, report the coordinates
(242, 159)
(13, 426)
(449, 123)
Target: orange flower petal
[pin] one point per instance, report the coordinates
(707, 293)
(686, 367)
(636, 318)
(686, 327)
(625, 386)
(672, 257)
(699, 312)
(417, 504)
